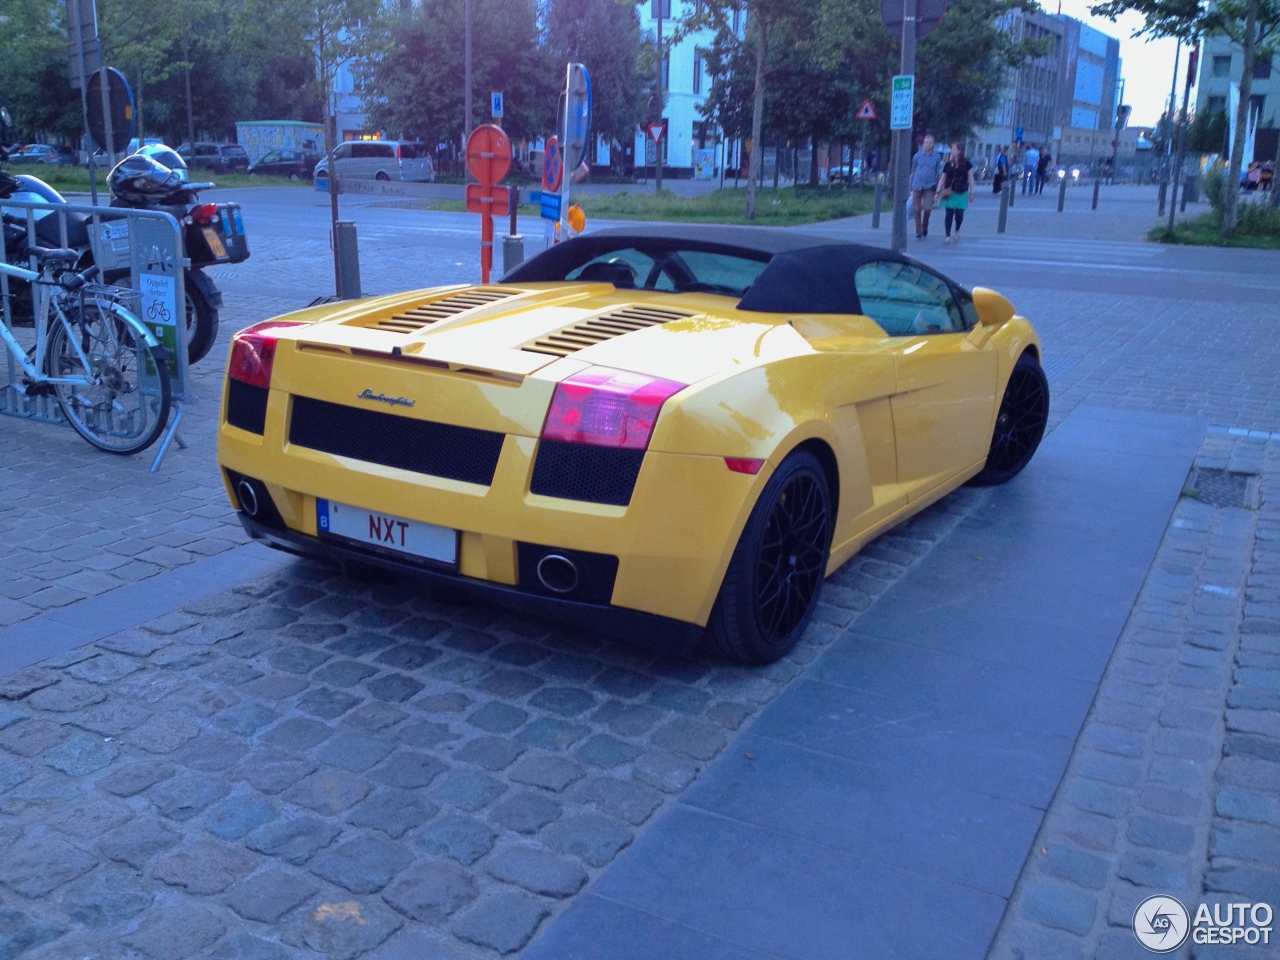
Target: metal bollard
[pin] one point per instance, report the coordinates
(876, 203)
(512, 252)
(1062, 193)
(1004, 208)
(1013, 188)
(348, 250)
(1097, 184)
(1163, 194)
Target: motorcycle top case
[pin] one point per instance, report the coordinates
(221, 241)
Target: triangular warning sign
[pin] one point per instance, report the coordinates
(655, 131)
(866, 111)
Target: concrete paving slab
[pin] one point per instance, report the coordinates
(742, 884)
(797, 843)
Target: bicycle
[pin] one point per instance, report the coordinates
(108, 372)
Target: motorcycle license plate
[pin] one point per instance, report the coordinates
(215, 242)
(387, 532)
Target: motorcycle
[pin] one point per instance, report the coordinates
(213, 233)
(155, 178)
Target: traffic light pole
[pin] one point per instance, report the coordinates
(902, 138)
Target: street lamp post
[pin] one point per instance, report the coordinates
(657, 144)
(466, 75)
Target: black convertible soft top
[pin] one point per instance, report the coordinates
(805, 273)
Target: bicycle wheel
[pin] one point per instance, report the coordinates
(122, 405)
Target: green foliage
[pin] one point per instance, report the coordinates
(1207, 132)
(784, 207)
(1258, 227)
(33, 71)
(826, 57)
(415, 84)
(1213, 184)
(605, 36)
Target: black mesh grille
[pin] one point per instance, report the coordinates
(575, 471)
(440, 449)
(596, 573)
(247, 406)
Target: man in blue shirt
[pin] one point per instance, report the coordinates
(1032, 161)
(926, 171)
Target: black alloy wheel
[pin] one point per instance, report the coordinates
(771, 588)
(1020, 424)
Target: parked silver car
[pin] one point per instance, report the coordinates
(380, 160)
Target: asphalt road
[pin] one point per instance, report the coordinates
(402, 248)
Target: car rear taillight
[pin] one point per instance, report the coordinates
(602, 407)
(253, 352)
(204, 214)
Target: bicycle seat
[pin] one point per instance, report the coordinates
(54, 255)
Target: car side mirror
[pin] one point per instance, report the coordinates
(993, 309)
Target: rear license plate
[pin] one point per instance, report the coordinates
(215, 242)
(387, 531)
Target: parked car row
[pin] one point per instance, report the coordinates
(356, 159)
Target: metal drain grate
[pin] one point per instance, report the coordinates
(1222, 488)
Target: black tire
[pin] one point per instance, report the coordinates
(201, 322)
(381, 176)
(126, 406)
(1020, 424)
(771, 587)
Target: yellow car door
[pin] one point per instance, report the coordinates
(945, 381)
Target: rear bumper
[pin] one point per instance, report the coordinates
(648, 630)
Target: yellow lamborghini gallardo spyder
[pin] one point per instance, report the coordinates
(667, 434)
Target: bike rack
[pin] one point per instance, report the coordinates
(148, 243)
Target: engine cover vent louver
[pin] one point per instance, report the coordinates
(606, 326)
(424, 315)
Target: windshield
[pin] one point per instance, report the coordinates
(673, 270)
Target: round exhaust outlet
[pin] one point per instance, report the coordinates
(557, 573)
(248, 498)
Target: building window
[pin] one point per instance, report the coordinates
(737, 22)
(1221, 64)
(1262, 69)
(666, 73)
(660, 8)
(697, 71)
(1257, 103)
(1215, 104)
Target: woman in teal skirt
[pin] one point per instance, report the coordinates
(955, 187)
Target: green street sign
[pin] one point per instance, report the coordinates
(902, 104)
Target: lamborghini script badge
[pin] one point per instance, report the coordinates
(383, 398)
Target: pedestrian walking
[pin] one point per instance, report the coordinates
(955, 186)
(926, 170)
(1042, 170)
(1002, 170)
(1031, 161)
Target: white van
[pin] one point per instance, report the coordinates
(380, 160)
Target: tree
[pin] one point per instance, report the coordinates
(1252, 25)
(825, 58)
(414, 84)
(605, 36)
(34, 83)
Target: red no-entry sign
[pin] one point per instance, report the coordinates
(488, 153)
(488, 159)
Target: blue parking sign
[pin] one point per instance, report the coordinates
(495, 105)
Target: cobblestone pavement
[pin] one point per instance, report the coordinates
(317, 766)
(315, 761)
(1168, 791)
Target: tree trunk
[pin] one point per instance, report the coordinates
(1230, 208)
(757, 114)
(813, 161)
